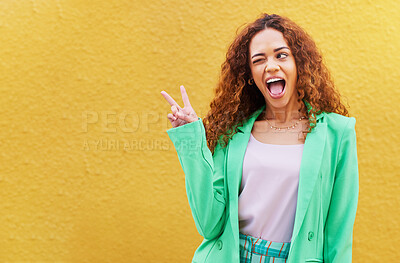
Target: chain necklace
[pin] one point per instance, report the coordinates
(287, 127)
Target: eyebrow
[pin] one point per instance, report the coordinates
(275, 50)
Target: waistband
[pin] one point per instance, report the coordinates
(264, 247)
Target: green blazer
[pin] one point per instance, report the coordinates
(327, 193)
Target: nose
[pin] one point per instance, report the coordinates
(272, 68)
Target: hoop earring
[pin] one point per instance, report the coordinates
(251, 82)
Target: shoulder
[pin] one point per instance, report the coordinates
(340, 133)
(338, 123)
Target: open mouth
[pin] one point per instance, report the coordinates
(276, 87)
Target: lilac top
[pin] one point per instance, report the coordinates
(268, 191)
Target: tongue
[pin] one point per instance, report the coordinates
(276, 87)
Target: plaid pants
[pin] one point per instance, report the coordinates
(254, 249)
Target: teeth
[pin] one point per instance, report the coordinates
(273, 80)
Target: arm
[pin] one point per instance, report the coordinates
(342, 210)
(204, 177)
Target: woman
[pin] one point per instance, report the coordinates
(271, 171)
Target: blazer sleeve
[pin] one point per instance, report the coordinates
(204, 177)
(338, 231)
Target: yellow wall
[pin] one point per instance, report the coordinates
(87, 171)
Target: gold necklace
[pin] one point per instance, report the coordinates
(287, 127)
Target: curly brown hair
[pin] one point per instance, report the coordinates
(235, 99)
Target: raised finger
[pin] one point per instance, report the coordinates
(185, 97)
(168, 98)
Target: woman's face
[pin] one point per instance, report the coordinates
(273, 69)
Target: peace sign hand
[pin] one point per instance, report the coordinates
(180, 116)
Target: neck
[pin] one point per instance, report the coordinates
(285, 114)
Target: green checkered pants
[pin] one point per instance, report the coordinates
(254, 249)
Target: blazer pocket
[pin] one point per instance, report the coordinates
(314, 260)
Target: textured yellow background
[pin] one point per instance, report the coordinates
(87, 171)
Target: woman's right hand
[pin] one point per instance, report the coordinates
(180, 116)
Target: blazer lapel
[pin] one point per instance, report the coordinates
(235, 153)
(309, 170)
(234, 159)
